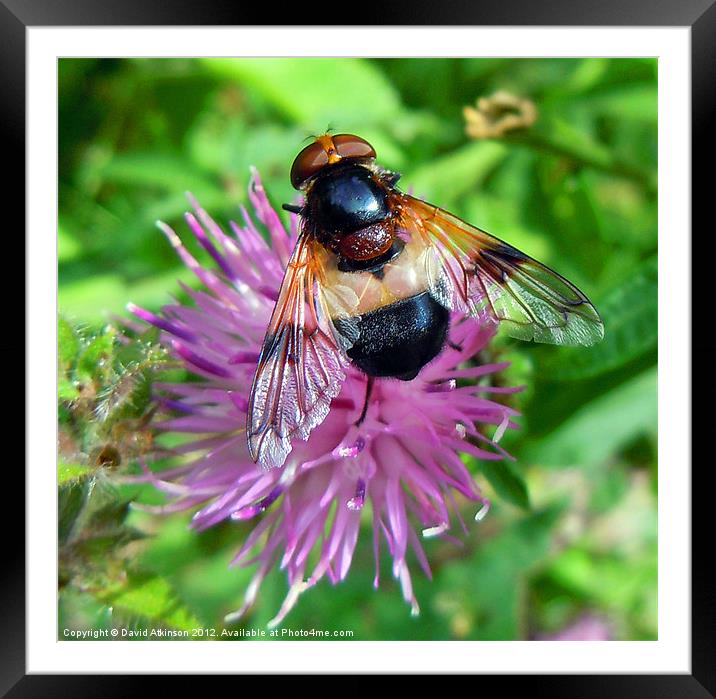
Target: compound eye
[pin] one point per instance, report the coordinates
(350, 146)
(307, 163)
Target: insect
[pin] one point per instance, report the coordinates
(371, 283)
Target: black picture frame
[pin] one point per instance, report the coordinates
(700, 15)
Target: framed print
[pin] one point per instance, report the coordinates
(358, 339)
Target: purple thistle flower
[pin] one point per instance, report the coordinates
(400, 468)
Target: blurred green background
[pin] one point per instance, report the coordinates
(572, 534)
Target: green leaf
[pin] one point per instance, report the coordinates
(70, 500)
(587, 74)
(153, 598)
(95, 547)
(499, 217)
(107, 510)
(72, 473)
(610, 579)
(506, 480)
(630, 315)
(495, 576)
(68, 248)
(67, 390)
(167, 172)
(90, 299)
(626, 218)
(601, 427)
(559, 136)
(636, 101)
(446, 178)
(68, 342)
(345, 93)
(96, 356)
(78, 610)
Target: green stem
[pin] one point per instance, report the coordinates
(569, 143)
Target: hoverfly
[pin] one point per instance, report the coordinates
(372, 281)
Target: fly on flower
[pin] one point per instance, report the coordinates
(371, 282)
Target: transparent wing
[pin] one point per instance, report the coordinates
(471, 271)
(301, 366)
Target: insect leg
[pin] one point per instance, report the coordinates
(368, 391)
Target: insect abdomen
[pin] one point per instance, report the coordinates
(398, 340)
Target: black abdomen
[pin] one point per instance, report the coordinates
(400, 339)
